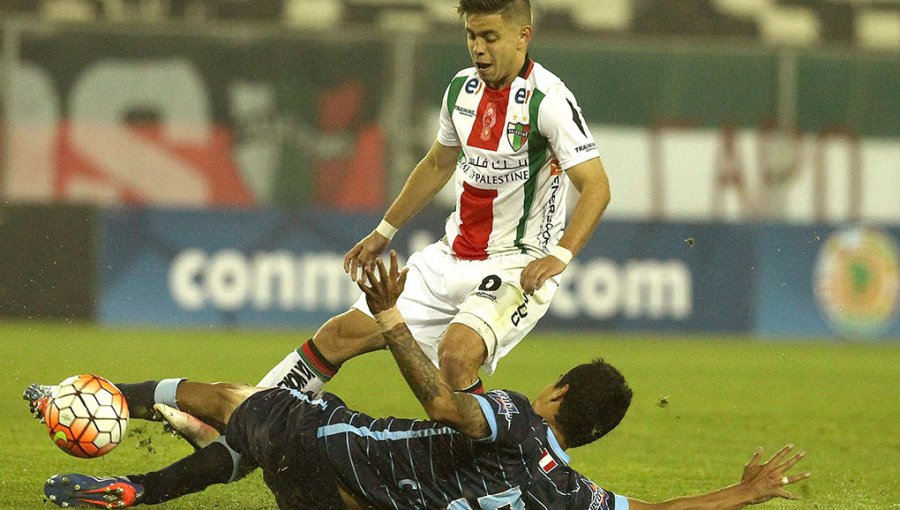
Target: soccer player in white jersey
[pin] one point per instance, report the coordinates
(513, 139)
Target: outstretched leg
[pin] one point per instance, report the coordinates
(307, 369)
(216, 463)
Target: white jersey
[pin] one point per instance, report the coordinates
(516, 144)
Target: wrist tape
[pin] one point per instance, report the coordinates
(388, 319)
(386, 229)
(562, 254)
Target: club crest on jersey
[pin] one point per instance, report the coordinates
(517, 134)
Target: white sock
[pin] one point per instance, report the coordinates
(293, 373)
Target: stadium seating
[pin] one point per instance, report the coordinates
(862, 23)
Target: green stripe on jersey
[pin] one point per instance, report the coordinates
(455, 88)
(537, 158)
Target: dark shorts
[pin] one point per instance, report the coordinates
(276, 430)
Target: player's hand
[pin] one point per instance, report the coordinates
(537, 271)
(383, 289)
(363, 255)
(769, 479)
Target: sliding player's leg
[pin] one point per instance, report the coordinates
(215, 463)
(274, 430)
(306, 369)
(211, 465)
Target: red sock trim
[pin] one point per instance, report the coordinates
(316, 361)
(477, 388)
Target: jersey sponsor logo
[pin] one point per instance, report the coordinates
(586, 147)
(472, 86)
(476, 177)
(549, 213)
(599, 497)
(547, 462)
(522, 96)
(465, 112)
(517, 134)
(507, 407)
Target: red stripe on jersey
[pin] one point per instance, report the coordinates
(490, 119)
(476, 215)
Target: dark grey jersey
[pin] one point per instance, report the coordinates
(414, 464)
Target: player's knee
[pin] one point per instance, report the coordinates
(460, 368)
(229, 396)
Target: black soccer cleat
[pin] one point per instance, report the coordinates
(37, 396)
(83, 491)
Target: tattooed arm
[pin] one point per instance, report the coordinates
(460, 411)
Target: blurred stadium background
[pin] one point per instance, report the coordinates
(207, 162)
(187, 164)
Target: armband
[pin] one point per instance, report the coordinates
(562, 254)
(386, 229)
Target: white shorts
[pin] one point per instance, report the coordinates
(485, 295)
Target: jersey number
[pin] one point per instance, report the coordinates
(506, 500)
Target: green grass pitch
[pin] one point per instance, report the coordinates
(725, 397)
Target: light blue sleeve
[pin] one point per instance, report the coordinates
(489, 416)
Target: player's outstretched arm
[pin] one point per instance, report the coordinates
(425, 181)
(759, 483)
(458, 410)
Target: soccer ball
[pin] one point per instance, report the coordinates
(86, 416)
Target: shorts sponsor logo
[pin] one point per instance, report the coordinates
(857, 281)
(520, 313)
(485, 295)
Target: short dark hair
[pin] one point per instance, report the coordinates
(519, 9)
(595, 403)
